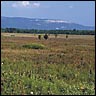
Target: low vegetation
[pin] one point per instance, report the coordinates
(34, 46)
(66, 67)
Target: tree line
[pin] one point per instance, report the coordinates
(34, 31)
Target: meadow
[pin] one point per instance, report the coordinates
(63, 66)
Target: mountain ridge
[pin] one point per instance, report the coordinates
(41, 24)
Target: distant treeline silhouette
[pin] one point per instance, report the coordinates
(34, 31)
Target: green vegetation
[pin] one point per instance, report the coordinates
(34, 46)
(66, 67)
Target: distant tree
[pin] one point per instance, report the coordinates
(74, 29)
(66, 35)
(45, 36)
(18, 31)
(39, 37)
(7, 30)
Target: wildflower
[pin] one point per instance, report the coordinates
(50, 75)
(2, 63)
(48, 92)
(76, 75)
(31, 93)
(81, 87)
(78, 88)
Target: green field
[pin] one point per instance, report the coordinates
(60, 67)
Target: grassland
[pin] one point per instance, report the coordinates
(64, 67)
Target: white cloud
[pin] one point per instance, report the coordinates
(57, 28)
(21, 4)
(26, 4)
(36, 4)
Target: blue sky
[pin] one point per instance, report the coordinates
(81, 12)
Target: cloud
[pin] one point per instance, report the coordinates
(36, 4)
(21, 4)
(26, 4)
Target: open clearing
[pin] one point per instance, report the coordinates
(64, 67)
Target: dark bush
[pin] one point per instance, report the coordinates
(45, 36)
(39, 37)
(66, 36)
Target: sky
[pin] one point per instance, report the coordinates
(81, 12)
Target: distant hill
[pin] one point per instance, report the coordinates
(42, 24)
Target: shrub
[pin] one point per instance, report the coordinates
(46, 36)
(34, 46)
(66, 36)
(39, 37)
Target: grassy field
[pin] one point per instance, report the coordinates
(62, 67)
